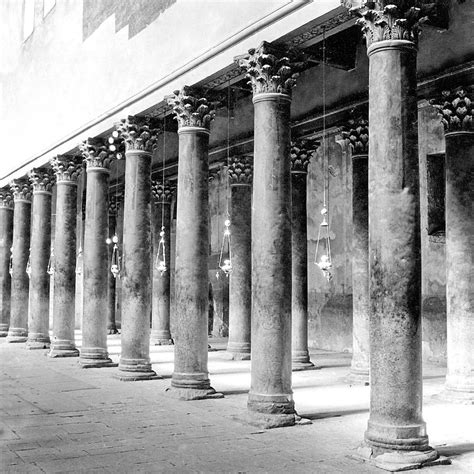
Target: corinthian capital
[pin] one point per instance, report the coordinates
(66, 168)
(162, 193)
(96, 153)
(41, 179)
(6, 198)
(138, 133)
(190, 108)
(269, 69)
(240, 170)
(455, 109)
(389, 19)
(21, 190)
(357, 132)
(301, 152)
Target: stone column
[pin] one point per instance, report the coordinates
(240, 281)
(67, 171)
(95, 264)
(38, 306)
(114, 204)
(396, 433)
(300, 154)
(190, 378)
(6, 240)
(160, 310)
(456, 110)
(270, 401)
(357, 133)
(18, 330)
(140, 140)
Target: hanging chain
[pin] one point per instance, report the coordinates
(160, 263)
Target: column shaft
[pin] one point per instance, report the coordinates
(299, 269)
(459, 266)
(270, 396)
(360, 269)
(63, 344)
(134, 361)
(394, 247)
(240, 284)
(160, 319)
(38, 310)
(94, 320)
(6, 240)
(18, 331)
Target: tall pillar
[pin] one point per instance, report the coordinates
(140, 140)
(357, 133)
(93, 351)
(67, 171)
(190, 378)
(6, 240)
(396, 433)
(114, 204)
(18, 330)
(300, 154)
(161, 217)
(240, 280)
(456, 110)
(270, 401)
(42, 181)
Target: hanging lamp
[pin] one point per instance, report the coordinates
(225, 256)
(322, 257)
(160, 263)
(28, 264)
(51, 263)
(10, 263)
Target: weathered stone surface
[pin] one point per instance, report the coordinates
(6, 240)
(18, 330)
(240, 280)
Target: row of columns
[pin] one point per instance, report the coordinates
(392, 244)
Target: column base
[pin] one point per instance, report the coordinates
(161, 338)
(132, 370)
(161, 342)
(271, 411)
(358, 377)
(3, 333)
(63, 348)
(17, 335)
(4, 330)
(298, 366)
(38, 341)
(95, 357)
(395, 461)
(239, 350)
(192, 386)
(113, 330)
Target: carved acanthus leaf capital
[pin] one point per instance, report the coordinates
(270, 70)
(357, 132)
(96, 153)
(21, 189)
(389, 19)
(162, 193)
(455, 109)
(6, 198)
(41, 179)
(138, 133)
(66, 168)
(240, 170)
(301, 152)
(191, 109)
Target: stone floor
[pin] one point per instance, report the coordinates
(57, 417)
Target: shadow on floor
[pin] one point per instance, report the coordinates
(333, 414)
(455, 450)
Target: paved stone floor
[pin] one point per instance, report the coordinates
(57, 417)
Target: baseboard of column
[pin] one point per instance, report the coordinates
(125, 376)
(96, 363)
(230, 355)
(298, 366)
(37, 345)
(187, 394)
(56, 353)
(358, 378)
(395, 461)
(161, 342)
(268, 421)
(111, 331)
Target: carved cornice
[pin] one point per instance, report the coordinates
(191, 109)
(301, 152)
(240, 170)
(66, 168)
(138, 133)
(389, 19)
(41, 179)
(115, 201)
(162, 193)
(357, 132)
(96, 153)
(270, 70)
(6, 198)
(21, 190)
(455, 109)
